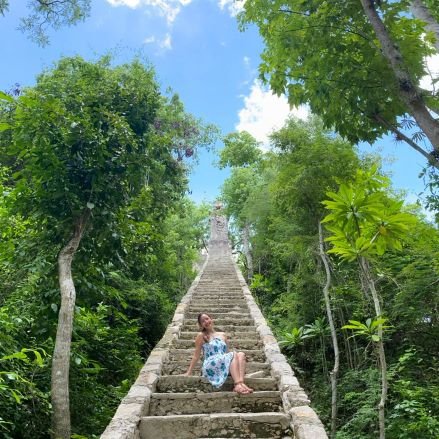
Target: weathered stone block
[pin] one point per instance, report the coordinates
(178, 317)
(263, 329)
(271, 348)
(124, 424)
(280, 368)
(294, 398)
(304, 415)
(138, 396)
(276, 357)
(309, 432)
(286, 382)
(121, 429)
(147, 378)
(157, 356)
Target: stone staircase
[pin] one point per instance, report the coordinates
(163, 404)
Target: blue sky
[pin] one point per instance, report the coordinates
(198, 51)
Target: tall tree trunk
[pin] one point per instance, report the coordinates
(348, 350)
(61, 354)
(334, 373)
(382, 356)
(420, 11)
(408, 91)
(247, 251)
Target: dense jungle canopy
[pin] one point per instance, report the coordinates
(99, 237)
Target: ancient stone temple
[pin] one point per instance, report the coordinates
(163, 404)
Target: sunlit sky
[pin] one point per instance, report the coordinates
(198, 51)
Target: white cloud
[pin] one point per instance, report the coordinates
(246, 61)
(432, 63)
(165, 44)
(165, 8)
(130, 3)
(149, 40)
(233, 6)
(264, 112)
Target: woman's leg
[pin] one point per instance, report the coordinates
(236, 375)
(242, 363)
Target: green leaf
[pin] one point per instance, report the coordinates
(5, 97)
(16, 396)
(5, 126)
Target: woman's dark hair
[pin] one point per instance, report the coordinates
(205, 336)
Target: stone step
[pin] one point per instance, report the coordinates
(232, 298)
(219, 286)
(248, 335)
(222, 315)
(165, 404)
(186, 354)
(236, 321)
(230, 425)
(235, 343)
(227, 328)
(207, 304)
(184, 384)
(222, 284)
(180, 367)
(227, 276)
(214, 310)
(214, 305)
(217, 289)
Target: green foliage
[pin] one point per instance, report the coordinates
(284, 202)
(293, 338)
(326, 55)
(414, 397)
(357, 406)
(310, 162)
(76, 133)
(240, 149)
(364, 220)
(174, 126)
(369, 329)
(86, 138)
(236, 192)
(46, 14)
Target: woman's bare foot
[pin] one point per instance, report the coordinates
(249, 389)
(241, 388)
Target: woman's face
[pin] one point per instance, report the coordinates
(205, 321)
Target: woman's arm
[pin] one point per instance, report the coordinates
(226, 341)
(198, 344)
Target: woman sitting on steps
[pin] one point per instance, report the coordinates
(218, 361)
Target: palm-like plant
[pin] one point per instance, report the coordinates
(292, 339)
(365, 222)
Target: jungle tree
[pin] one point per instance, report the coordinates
(44, 14)
(357, 64)
(365, 222)
(83, 145)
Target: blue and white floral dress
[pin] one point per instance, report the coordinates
(216, 362)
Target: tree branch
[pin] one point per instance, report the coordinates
(432, 160)
(408, 92)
